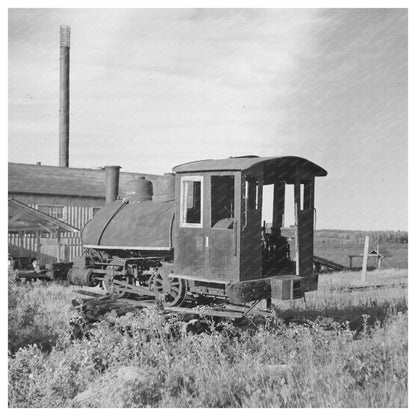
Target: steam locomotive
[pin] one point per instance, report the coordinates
(203, 237)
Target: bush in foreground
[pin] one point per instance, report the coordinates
(316, 364)
(37, 313)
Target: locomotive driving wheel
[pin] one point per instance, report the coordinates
(172, 289)
(111, 280)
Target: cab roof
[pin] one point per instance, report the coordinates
(290, 165)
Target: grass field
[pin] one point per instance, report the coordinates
(338, 252)
(336, 348)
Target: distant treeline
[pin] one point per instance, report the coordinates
(376, 237)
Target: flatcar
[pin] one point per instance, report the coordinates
(204, 239)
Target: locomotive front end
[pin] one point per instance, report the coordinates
(128, 240)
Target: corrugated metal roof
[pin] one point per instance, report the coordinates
(24, 218)
(55, 180)
(246, 162)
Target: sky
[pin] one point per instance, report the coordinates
(153, 88)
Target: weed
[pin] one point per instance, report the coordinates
(311, 355)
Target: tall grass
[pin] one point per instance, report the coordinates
(38, 313)
(141, 360)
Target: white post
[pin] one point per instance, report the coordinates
(378, 258)
(38, 252)
(365, 259)
(58, 260)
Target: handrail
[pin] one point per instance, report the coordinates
(125, 202)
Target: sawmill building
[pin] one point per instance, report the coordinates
(70, 195)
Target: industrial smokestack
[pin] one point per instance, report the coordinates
(65, 32)
(112, 174)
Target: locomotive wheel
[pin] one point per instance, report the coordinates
(171, 288)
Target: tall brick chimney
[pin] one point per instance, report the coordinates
(65, 32)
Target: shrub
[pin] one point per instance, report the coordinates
(37, 314)
(315, 361)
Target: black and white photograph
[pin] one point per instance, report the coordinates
(207, 206)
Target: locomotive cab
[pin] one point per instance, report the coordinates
(221, 240)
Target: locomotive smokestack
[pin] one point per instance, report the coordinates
(112, 174)
(65, 32)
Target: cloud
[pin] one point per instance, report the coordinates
(171, 85)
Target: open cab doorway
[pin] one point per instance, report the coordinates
(288, 228)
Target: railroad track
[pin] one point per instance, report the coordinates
(94, 305)
(367, 287)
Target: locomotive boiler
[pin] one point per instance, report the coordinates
(204, 239)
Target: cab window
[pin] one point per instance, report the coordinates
(191, 201)
(252, 193)
(222, 201)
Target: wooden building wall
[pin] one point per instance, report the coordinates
(77, 211)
